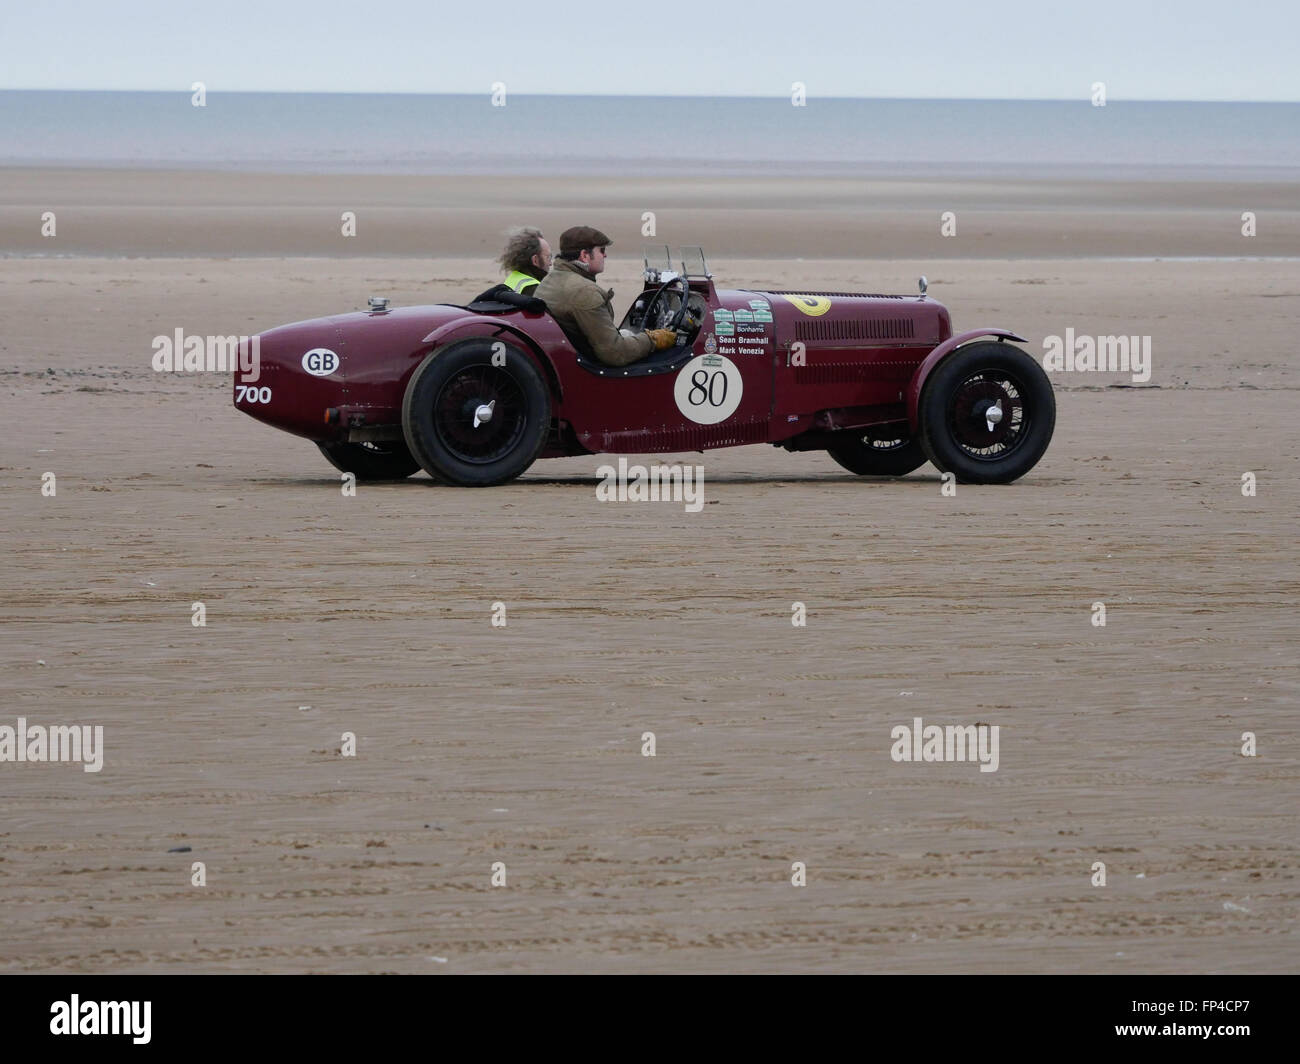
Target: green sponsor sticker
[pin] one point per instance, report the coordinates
(722, 314)
(744, 315)
(724, 328)
(762, 315)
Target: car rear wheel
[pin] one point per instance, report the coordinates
(878, 451)
(987, 414)
(386, 460)
(474, 420)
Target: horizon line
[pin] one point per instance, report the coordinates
(1084, 98)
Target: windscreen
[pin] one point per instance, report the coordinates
(657, 259)
(693, 264)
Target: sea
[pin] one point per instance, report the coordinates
(652, 136)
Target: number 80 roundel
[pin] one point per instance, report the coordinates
(708, 389)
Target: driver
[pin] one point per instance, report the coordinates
(572, 297)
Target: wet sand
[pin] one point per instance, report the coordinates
(177, 213)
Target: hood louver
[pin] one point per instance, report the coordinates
(876, 329)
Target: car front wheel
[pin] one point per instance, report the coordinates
(986, 414)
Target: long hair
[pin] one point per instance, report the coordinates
(522, 244)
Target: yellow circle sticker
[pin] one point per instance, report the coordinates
(813, 306)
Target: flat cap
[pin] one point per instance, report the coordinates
(582, 236)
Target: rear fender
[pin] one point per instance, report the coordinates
(936, 356)
(468, 328)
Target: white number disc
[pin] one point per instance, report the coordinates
(708, 389)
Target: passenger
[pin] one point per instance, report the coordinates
(574, 300)
(526, 258)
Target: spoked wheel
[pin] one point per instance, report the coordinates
(987, 414)
(479, 414)
(386, 460)
(471, 421)
(879, 451)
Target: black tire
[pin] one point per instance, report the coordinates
(385, 460)
(956, 432)
(445, 395)
(878, 451)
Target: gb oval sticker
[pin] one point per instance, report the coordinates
(708, 389)
(320, 362)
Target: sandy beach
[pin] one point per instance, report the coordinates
(522, 745)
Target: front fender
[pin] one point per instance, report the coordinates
(936, 356)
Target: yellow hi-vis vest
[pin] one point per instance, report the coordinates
(519, 281)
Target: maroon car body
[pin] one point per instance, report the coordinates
(845, 372)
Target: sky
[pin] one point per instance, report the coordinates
(998, 49)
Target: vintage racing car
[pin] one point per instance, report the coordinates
(475, 394)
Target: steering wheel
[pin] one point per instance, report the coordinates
(675, 322)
